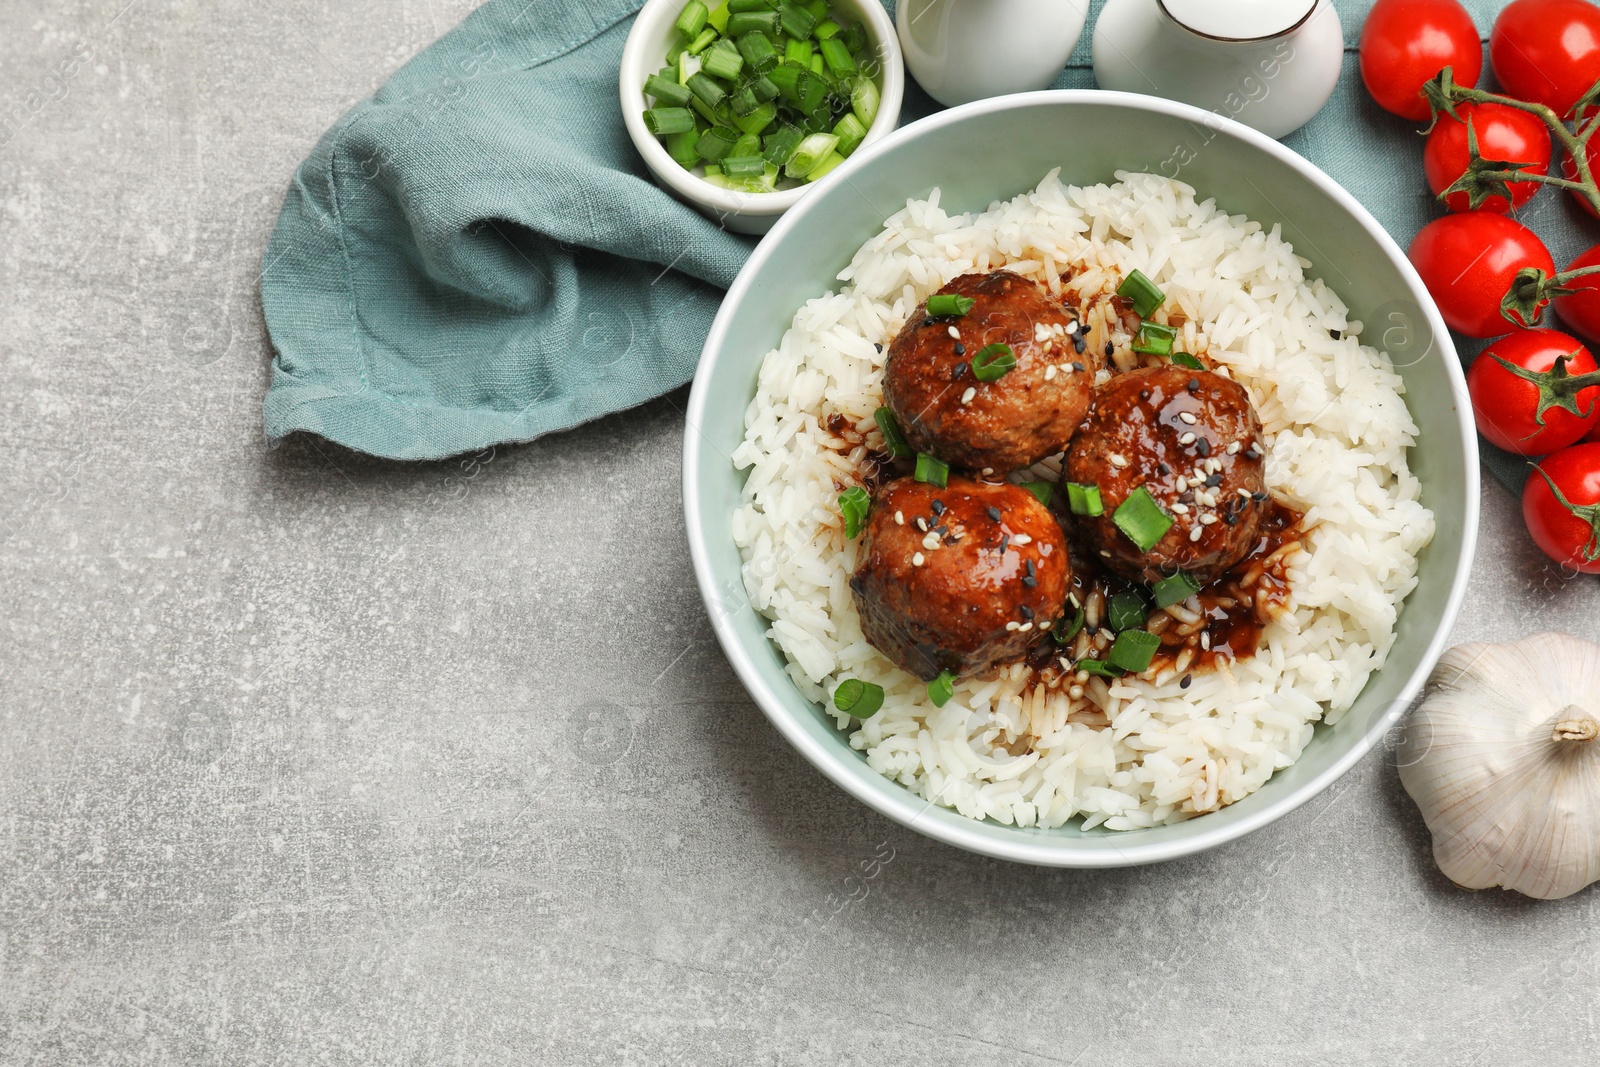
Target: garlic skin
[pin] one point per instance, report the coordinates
(1503, 760)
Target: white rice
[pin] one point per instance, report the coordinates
(1337, 430)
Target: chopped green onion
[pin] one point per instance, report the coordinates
(837, 56)
(664, 120)
(1154, 339)
(702, 42)
(1065, 631)
(743, 22)
(818, 67)
(787, 79)
(779, 147)
(748, 144)
(1126, 611)
(797, 53)
(827, 163)
(1084, 499)
(705, 112)
(692, 19)
(817, 8)
(1040, 490)
(864, 99)
(932, 471)
(893, 438)
(722, 60)
(1143, 520)
(1184, 359)
(993, 362)
(941, 689)
(757, 50)
(736, 6)
(1175, 589)
(668, 93)
(745, 101)
(796, 21)
(758, 120)
(942, 304)
(855, 36)
(854, 503)
(1098, 667)
(850, 133)
(707, 90)
(688, 67)
(857, 698)
(825, 29)
(812, 151)
(680, 146)
(715, 143)
(739, 166)
(718, 19)
(1133, 650)
(1142, 292)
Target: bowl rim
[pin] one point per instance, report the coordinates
(630, 87)
(1033, 849)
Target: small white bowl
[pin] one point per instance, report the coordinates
(646, 52)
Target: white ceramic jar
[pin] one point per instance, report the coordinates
(1270, 64)
(961, 50)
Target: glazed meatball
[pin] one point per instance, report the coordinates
(958, 579)
(1192, 439)
(1014, 421)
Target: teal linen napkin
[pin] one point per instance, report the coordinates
(477, 254)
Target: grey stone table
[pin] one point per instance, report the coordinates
(308, 758)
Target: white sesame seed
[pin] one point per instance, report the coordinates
(1233, 449)
(1041, 332)
(1025, 627)
(1187, 416)
(930, 542)
(1194, 534)
(1183, 483)
(1076, 692)
(1107, 635)
(899, 518)
(1186, 439)
(922, 524)
(1066, 664)
(1072, 328)
(1205, 640)
(1244, 493)
(1207, 519)
(1104, 553)
(1067, 368)
(1013, 625)
(966, 397)
(1180, 508)
(1213, 465)
(1050, 373)
(988, 470)
(1021, 539)
(918, 560)
(1117, 459)
(955, 333)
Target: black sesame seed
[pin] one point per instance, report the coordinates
(927, 322)
(1110, 348)
(1194, 385)
(1336, 335)
(1030, 581)
(938, 507)
(1163, 468)
(1025, 611)
(1258, 497)
(1184, 684)
(1232, 517)
(1005, 542)
(1079, 343)
(1251, 453)
(1077, 366)
(1027, 565)
(1144, 394)
(941, 529)
(994, 514)
(1215, 479)
(1202, 446)
(877, 346)
(961, 368)
(1186, 497)
(961, 350)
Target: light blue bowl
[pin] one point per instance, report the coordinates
(992, 150)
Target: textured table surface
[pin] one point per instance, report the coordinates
(310, 758)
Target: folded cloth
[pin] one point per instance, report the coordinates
(477, 254)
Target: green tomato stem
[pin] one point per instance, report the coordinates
(1589, 513)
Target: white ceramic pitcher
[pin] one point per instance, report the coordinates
(961, 50)
(1271, 64)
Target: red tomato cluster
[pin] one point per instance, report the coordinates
(1535, 391)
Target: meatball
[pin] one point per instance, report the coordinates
(958, 579)
(1192, 439)
(1014, 421)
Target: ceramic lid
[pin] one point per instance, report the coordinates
(1239, 20)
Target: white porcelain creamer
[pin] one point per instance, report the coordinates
(961, 50)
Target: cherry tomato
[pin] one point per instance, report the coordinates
(1404, 43)
(1503, 133)
(1559, 506)
(1529, 407)
(1468, 262)
(1581, 308)
(1547, 51)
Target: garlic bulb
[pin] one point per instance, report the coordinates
(1503, 761)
